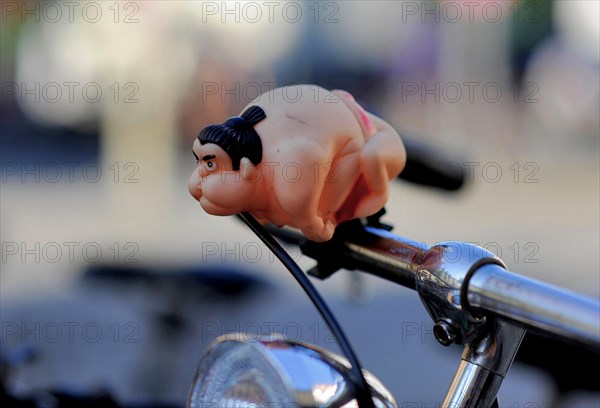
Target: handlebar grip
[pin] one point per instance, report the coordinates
(428, 167)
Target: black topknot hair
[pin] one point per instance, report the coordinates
(237, 136)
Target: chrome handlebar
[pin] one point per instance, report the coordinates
(490, 288)
(536, 305)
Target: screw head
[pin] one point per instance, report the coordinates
(445, 332)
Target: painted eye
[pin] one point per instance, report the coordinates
(210, 166)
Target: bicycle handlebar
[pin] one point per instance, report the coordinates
(491, 288)
(535, 304)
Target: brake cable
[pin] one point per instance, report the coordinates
(363, 394)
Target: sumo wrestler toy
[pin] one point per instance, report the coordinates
(309, 162)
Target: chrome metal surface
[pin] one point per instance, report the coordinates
(495, 350)
(490, 344)
(311, 376)
(472, 387)
(532, 303)
(535, 304)
(485, 362)
(388, 256)
(441, 279)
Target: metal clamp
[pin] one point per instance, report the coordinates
(490, 343)
(441, 282)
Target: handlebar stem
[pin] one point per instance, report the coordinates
(442, 281)
(484, 364)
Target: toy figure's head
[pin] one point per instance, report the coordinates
(225, 181)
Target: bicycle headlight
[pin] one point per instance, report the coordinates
(275, 373)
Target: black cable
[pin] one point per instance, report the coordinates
(363, 395)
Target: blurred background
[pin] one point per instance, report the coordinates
(113, 280)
